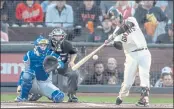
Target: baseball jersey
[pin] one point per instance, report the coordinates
(34, 63)
(133, 38)
(66, 49)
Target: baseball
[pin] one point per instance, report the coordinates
(95, 57)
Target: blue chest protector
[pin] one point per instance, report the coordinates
(36, 64)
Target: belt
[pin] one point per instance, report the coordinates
(139, 49)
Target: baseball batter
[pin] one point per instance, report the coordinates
(129, 37)
(33, 78)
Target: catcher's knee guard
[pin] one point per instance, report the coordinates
(26, 85)
(57, 96)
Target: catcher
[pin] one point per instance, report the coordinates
(34, 79)
(68, 55)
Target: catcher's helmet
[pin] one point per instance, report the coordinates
(57, 35)
(113, 13)
(41, 40)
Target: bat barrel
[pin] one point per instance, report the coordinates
(86, 58)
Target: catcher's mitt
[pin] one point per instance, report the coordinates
(50, 63)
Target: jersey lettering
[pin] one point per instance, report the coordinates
(124, 37)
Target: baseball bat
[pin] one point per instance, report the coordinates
(86, 58)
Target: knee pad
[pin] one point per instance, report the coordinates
(145, 91)
(28, 76)
(57, 96)
(26, 85)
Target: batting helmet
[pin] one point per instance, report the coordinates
(113, 13)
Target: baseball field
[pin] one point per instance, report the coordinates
(89, 100)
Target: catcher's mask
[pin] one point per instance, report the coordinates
(41, 45)
(115, 14)
(57, 36)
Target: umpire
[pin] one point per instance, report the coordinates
(68, 55)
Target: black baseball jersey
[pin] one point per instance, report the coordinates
(66, 48)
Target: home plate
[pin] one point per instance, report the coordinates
(93, 104)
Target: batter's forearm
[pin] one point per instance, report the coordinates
(124, 28)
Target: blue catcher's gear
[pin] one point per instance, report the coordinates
(57, 96)
(19, 99)
(113, 13)
(39, 41)
(26, 83)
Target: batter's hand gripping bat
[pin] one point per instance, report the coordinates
(86, 58)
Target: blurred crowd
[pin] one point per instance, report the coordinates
(90, 24)
(111, 74)
(89, 18)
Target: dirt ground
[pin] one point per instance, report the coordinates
(76, 105)
(83, 104)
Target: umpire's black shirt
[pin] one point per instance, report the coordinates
(66, 48)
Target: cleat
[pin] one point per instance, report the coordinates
(19, 99)
(142, 103)
(72, 98)
(118, 101)
(144, 100)
(34, 97)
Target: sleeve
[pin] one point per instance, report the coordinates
(20, 79)
(49, 17)
(41, 15)
(56, 55)
(132, 20)
(19, 11)
(117, 38)
(44, 5)
(70, 17)
(163, 17)
(71, 48)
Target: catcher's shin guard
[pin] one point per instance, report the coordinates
(57, 96)
(26, 85)
(144, 100)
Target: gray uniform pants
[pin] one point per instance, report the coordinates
(72, 79)
(44, 88)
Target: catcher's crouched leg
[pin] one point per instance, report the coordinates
(57, 96)
(26, 85)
